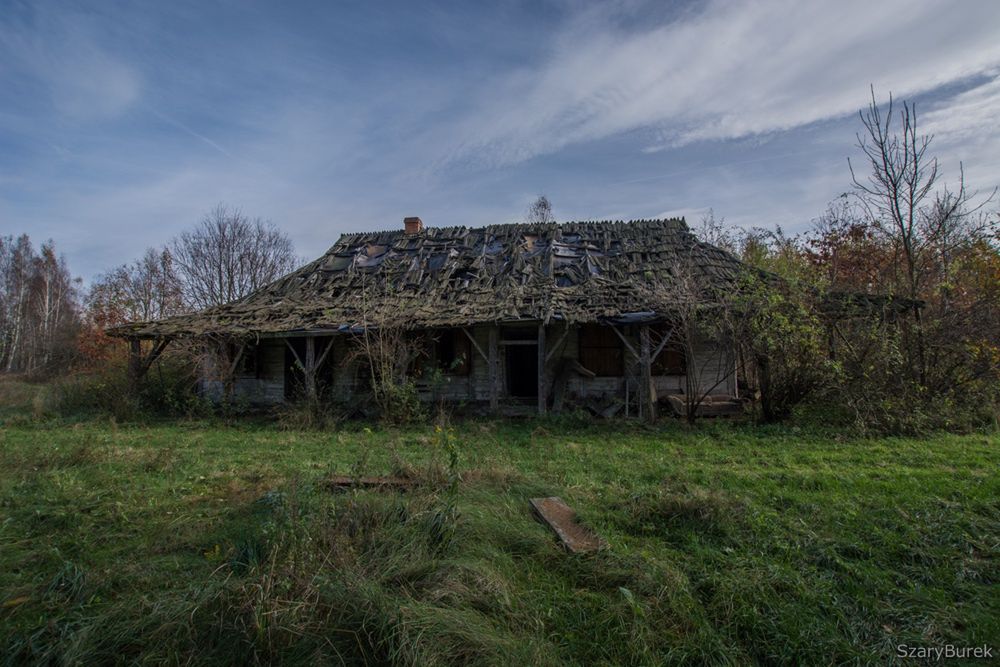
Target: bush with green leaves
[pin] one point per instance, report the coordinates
(783, 344)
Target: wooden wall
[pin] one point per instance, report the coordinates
(267, 385)
(263, 387)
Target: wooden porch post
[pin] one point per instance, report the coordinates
(541, 369)
(310, 363)
(138, 364)
(229, 380)
(494, 368)
(309, 368)
(647, 407)
(134, 363)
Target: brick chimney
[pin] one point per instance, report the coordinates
(413, 225)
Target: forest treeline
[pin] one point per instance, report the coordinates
(50, 323)
(40, 315)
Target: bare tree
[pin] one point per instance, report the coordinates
(540, 211)
(702, 323)
(147, 289)
(705, 328)
(55, 306)
(900, 197)
(714, 231)
(386, 351)
(228, 256)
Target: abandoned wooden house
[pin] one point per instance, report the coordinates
(513, 317)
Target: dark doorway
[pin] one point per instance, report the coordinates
(522, 370)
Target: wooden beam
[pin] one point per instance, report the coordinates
(647, 407)
(236, 360)
(294, 353)
(558, 516)
(493, 363)
(663, 343)
(134, 362)
(310, 353)
(555, 348)
(154, 354)
(541, 370)
(139, 364)
(625, 341)
(475, 344)
(229, 378)
(326, 351)
(627, 397)
(310, 368)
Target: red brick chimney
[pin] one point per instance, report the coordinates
(413, 225)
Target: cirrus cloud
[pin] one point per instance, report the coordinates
(732, 70)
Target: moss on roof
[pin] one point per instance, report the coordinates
(452, 276)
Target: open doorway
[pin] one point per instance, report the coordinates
(522, 371)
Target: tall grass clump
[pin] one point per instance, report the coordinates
(357, 579)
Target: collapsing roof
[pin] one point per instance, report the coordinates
(457, 276)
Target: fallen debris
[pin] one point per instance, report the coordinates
(710, 406)
(560, 385)
(613, 408)
(346, 482)
(561, 518)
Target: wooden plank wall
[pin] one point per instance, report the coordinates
(268, 385)
(265, 387)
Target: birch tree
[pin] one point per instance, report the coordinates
(39, 316)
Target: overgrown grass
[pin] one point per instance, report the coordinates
(197, 543)
(21, 400)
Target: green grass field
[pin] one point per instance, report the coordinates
(202, 543)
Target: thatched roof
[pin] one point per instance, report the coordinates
(438, 277)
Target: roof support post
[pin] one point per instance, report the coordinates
(139, 364)
(493, 364)
(309, 369)
(229, 381)
(558, 344)
(134, 363)
(647, 402)
(541, 369)
(309, 363)
(153, 355)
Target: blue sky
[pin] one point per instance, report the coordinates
(123, 123)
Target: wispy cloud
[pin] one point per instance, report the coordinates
(964, 128)
(134, 120)
(184, 128)
(82, 79)
(734, 69)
